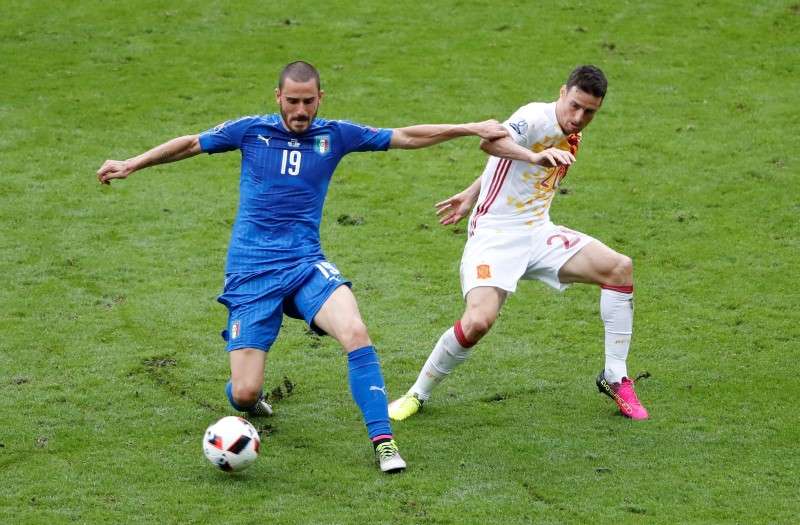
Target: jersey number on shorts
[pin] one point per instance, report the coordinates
(564, 239)
(328, 270)
(291, 160)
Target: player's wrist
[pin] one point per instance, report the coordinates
(471, 128)
(130, 165)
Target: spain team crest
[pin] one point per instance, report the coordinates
(322, 144)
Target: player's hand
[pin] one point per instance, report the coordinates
(490, 130)
(554, 157)
(452, 210)
(113, 169)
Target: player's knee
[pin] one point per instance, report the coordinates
(245, 393)
(354, 335)
(622, 271)
(477, 325)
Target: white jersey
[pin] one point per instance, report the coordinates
(515, 194)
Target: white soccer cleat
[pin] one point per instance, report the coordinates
(388, 457)
(261, 408)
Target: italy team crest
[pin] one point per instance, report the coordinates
(322, 144)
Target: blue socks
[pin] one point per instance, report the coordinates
(369, 391)
(367, 387)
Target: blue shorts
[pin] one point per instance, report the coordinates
(256, 302)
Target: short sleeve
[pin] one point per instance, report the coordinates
(226, 136)
(356, 137)
(521, 126)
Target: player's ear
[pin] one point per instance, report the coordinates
(278, 95)
(321, 92)
(563, 91)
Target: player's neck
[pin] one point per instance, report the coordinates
(556, 110)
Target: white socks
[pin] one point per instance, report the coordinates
(446, 356)
(616, 310)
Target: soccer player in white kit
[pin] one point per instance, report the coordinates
(511, 238)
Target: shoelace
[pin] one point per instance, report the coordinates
(386, 450)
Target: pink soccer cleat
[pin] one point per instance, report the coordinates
(623, 395)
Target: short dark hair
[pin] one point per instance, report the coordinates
(589, 79)
(299, 72)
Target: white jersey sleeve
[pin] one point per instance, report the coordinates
(525, 125)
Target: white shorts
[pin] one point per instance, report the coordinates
(501, 259)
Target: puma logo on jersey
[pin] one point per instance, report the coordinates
(265, 139)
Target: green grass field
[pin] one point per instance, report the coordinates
(111, 365)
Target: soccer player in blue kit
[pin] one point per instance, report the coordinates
(275, 263)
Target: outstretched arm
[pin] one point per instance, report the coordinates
(176, 149)
(508, 149)
(452, 210)
(424, 135)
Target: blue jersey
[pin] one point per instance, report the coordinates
(284, 180)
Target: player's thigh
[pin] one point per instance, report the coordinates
(247, 368)
(595, 263)
(340, 318)
(552, 247)
(324, 300)
(484, 303)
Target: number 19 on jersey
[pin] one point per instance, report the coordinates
(291, 162)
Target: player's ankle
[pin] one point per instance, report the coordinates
(383, 438)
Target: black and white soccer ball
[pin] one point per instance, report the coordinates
(231, 444)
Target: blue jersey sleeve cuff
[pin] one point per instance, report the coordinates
(384, 139)
(206, 143)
